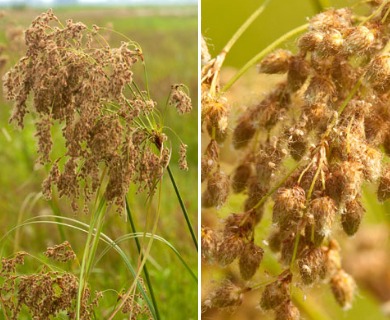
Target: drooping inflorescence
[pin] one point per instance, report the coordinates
(75, 79)
(329, 115)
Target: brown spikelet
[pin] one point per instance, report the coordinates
(289, 203)
(245, 130)
(209, 244)
(62, 252)
(297, 73)
(250, 260)
(352, 216)
(343, 288)
(312, 265)
(209, 159)
(276, 62)
(240, 177)
(275, 293)
(287, 311)
(227, 294)
(378, 73)
(217, 190)
(384, 185)
(229, 248)
(323, 211)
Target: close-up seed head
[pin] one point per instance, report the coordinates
(308, 153)
(276, 293)
(250, 260)
(276, 62)
(343, 288)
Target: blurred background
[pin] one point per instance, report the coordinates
(367, 255)
(167, 33)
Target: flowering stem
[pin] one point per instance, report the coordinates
(142, 261)
(221, 57)
(183, 208)
(263, 53)
(146, 272)
(244, 27)
(276, 187)
(89, 251)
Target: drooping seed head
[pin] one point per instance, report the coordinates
(359, 39)
(297, 143)
(331, 19)
(352, 216)
(378, 73)
(217, 190)
(320, 90)
(323, 211)
(343, 288)
(384, 185)
(287, 311)
(209, 159)
(276, 293)
(332, 257)
(209, 243)
(276, 62)
(311, 40)
(245, 129)
(312, 265)
(250, 260)
(226, 295)
(289, 204)
(229, 248)
(240, 177)
(298, 72)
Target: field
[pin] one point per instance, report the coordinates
(168, 38)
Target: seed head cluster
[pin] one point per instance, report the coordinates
(73, 78)
(44, 294)
(330, 115)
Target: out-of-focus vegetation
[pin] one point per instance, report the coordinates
(218, 23)
(168, 38)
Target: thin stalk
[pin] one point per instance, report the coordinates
(320, 5)
(183, 208)
(309, 308)
(244, 27)
(377, 11)
(276, 187)
(263, 53)
(56, 210)
(143, 262)
(146, 272)
(88, 254)
(85, 229)
(219, 60)
(146, 78)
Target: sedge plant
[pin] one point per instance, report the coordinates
(308, 145)
(114, 137)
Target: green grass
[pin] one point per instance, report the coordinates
(169, 42)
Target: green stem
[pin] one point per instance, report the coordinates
(146, 272)
(183, 208)
(263, 53)
(219, 60)
(244, 27)
(309, 308)
(57, 212)
(89, 251)
(276, 187)
(320, 5)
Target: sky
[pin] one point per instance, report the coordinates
(45, 2)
